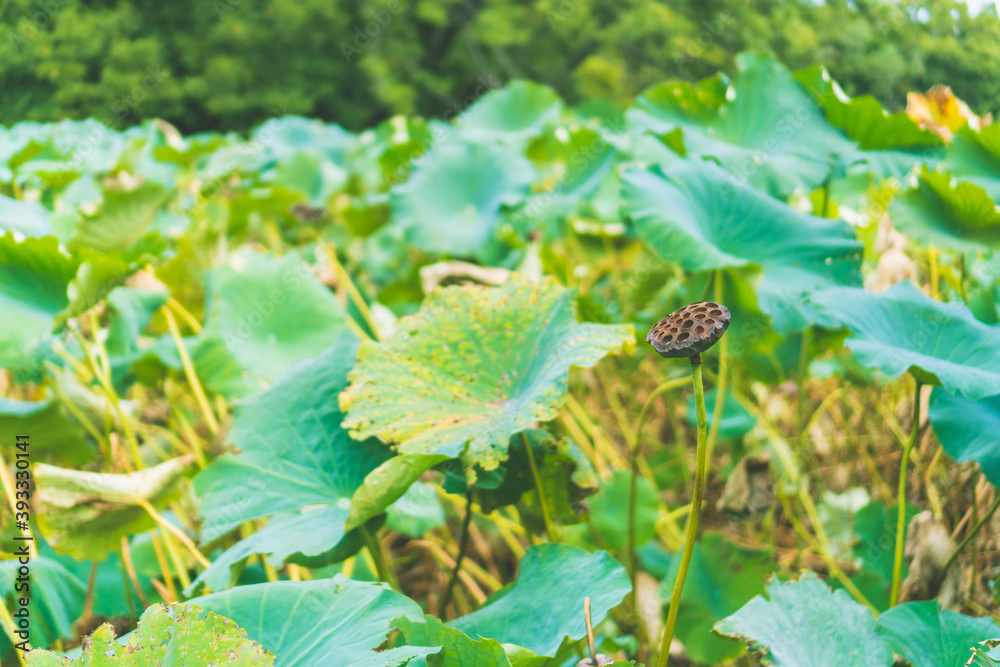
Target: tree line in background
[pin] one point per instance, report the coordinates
(229, 64)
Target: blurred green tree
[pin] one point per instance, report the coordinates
(228, 64)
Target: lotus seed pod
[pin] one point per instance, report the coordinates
(689, 331)
(602, 661)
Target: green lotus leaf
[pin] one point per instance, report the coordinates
(451, 204)
(722, 578)
(121, 219)
(545, 603)
(457, 648)
(175, 634)
(322, 622)
(958, 216)
(29, 219)
(764, 128)
(903, 329)
(475, 366)
(514, 113)
(968, 430)
(34, 276)
(271, 312)
(892, 144)
(974, 157)
(928, 636)
(56, 595)
(295, 459)
(803, 624)
(694, 215)
(86, 514)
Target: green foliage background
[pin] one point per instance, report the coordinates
(229, 64)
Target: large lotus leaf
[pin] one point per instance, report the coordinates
(968, 430)
(86, 514)
(121, 219)
(29, 219)
(891, 143)
(457, 648)
(516, 112)
(902, 329)
(311, 174)
(766, 131)
(34, 275)
(322, 622)
(928, 636)
(974, 157)
(693, 214)
(545, 603)
(475, 366)
(294, 458)
(271, 312)
(451, 204)
(55, 434)
(722, 578)
(177, 635)
(56, 596)
(959, 216)
(803, 624)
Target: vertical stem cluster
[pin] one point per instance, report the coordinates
(897, 564)
(701, 474)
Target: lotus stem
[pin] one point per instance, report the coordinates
(701, 474)
(634, 471)
(897, 564)
(539, 492)
(463, 544)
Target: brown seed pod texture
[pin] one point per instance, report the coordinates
(689, 330)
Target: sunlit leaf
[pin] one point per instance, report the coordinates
(165, 633)
(513, 113)
(475, 366)
(457, 648)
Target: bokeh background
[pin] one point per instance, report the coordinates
(229, 64)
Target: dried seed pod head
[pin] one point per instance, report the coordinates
(690, 330)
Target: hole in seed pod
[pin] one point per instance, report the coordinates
(699, 330)
(687, 324)
(709, 321)
(716, 313)
(700, 309)
(674, 330)
(683, 337)
(667, 339)
(711, 304)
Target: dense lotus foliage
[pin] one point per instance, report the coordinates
(370, 398)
